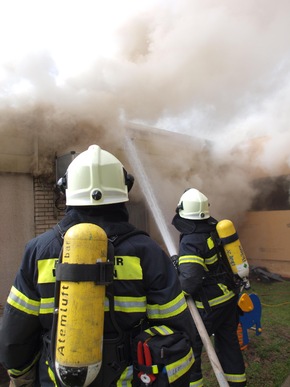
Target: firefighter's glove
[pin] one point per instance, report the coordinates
(24, 380)
(174, 260)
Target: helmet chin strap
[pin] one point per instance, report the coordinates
(62, 183)
(129, 180)
(179, 207)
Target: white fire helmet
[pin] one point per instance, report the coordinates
(193, 205)
(96, 177)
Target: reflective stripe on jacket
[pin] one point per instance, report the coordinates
(199, 269)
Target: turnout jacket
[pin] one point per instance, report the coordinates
(145, 287)
(199, 267)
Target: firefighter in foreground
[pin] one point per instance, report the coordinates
(144, 298)
(202, 277)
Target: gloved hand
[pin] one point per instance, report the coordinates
(25, 380)
(174, 260)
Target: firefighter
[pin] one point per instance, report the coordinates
(145, 289)
(201, 277)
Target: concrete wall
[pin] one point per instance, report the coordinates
(27, 209)
(16, 225)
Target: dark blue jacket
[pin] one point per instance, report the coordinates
(28, 313)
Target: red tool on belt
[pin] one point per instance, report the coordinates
(145, 359)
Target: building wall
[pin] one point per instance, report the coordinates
(46, 214)
(27, 209)
(29, 205)
(16, 225)
(265, 237)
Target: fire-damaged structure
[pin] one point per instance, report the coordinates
(31, 203)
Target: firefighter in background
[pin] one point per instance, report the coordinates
(199, 273)
(146, 290)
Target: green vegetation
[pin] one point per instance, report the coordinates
(267, 356)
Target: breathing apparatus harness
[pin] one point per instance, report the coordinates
(229, 275)
(116, 350)
(142, 346)
(101, 273)
(223, 271)
(233, 282)
(159, 354)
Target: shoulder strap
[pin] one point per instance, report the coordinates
(233, 282)
(114, 241)
(59, 233)
(118, 239)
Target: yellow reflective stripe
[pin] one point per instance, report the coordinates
(126, 377)
(127, 304)
(46, 270)
(155, 369)
(210, 243)
(161, 329)
(224, 288)
(170, 309)
(218, 300)
(14, 372)
(51, 374)
(196, 383)
(236, 378)
(127, 268)
(46, 305)
(192, 259)
(19, 301)
(180, 367)
(211, 260)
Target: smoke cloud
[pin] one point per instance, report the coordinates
(75, 73)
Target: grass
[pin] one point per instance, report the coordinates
(267, 357)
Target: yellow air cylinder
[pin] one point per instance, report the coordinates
(233, 248)
(79, 333)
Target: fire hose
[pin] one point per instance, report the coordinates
(215, 363)
(205, 337)
(160, 222)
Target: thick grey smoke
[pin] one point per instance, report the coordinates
(216, 70)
